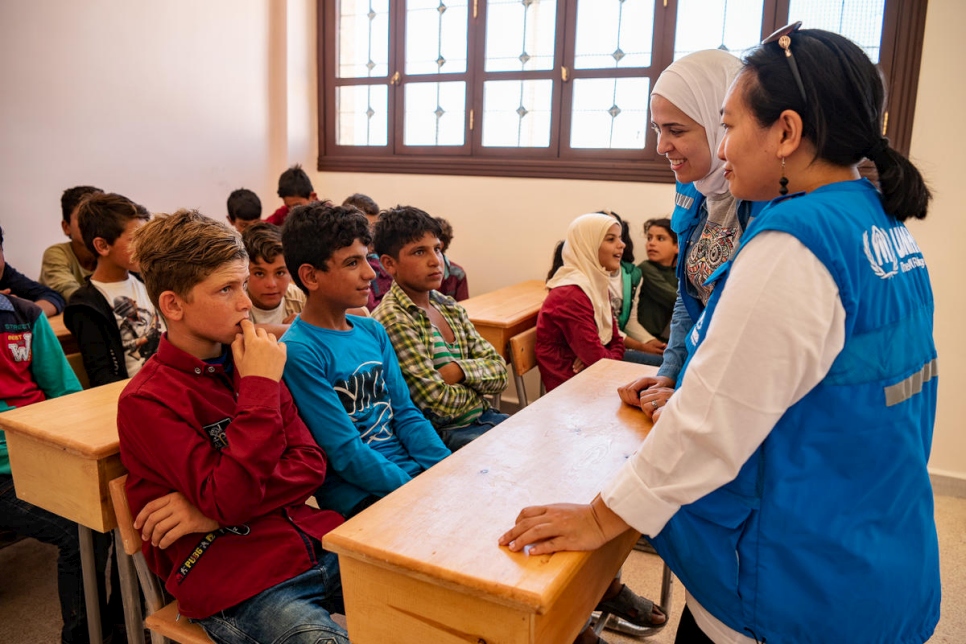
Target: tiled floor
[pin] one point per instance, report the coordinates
(643, 573)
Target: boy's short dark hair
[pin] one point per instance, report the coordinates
(245, 205)
(661, 222)
(263, 242)
(105, 215)
(362, 203)
(177, 251)
(294, 183)
(1, 237)
(445, 232)
(72, 197)
(399, 226)
(313, 232)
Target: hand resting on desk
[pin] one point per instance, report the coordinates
(650, 394)
(564, 526)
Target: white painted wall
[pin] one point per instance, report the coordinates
(166, 102)
(938, 144)
(176, 103)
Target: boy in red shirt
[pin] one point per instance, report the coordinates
(220, 465)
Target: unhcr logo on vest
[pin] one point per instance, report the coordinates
(887, 251)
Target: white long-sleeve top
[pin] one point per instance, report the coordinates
(777, 329)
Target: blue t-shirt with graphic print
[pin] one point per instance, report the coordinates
(351, 394)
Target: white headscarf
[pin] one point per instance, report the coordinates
(581, 267)
(696, 85)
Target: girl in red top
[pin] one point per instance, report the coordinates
(576, 326)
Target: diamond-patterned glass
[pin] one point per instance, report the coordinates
(858, 20)
(435, 113)
(362, 115)
(363, 39)
(516, 113)
(436, 36)
(731, 25)
(520, 35)
(614, 33)
(610, 113)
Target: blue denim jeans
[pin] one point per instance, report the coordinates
(641, 357)
(457, 438)
(297, 611)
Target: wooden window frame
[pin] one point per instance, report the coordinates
(900, 57)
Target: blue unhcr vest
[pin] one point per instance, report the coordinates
(827, 533)
(686, 218)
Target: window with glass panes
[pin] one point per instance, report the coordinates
(552, 88)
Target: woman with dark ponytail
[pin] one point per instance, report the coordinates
(785, 483)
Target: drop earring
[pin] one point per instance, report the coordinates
(783, 182)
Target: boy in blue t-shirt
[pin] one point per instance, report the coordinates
(342, 369)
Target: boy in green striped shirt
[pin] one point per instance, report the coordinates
(448, 366)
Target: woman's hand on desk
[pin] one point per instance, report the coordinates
(650, 394)
(563, 526)
(168, 518)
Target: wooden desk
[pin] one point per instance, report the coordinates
(63, 453)
(423, 564)
(67, 341)
(501, 314)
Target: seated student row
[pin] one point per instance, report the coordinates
(295, 189)
(127, 219)
(66, 266)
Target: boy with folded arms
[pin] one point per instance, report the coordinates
(219, 463)
(447, 364)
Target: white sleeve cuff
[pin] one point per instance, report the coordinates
(630, 498)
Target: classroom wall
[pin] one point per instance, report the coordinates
(166, 102)
(505, 228)
(938, 143)
(177, 103)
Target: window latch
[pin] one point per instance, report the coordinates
(395, 79)
(564, 73)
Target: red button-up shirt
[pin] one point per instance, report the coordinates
(237, 449)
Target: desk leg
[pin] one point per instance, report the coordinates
(130, 595)
(90, 583)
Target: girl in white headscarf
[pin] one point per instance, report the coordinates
(686, 115)
(576, 326)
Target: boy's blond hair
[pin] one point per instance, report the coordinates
(177, 251)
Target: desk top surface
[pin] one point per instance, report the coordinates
(506, 306)
(84, 423)
(444, 524)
